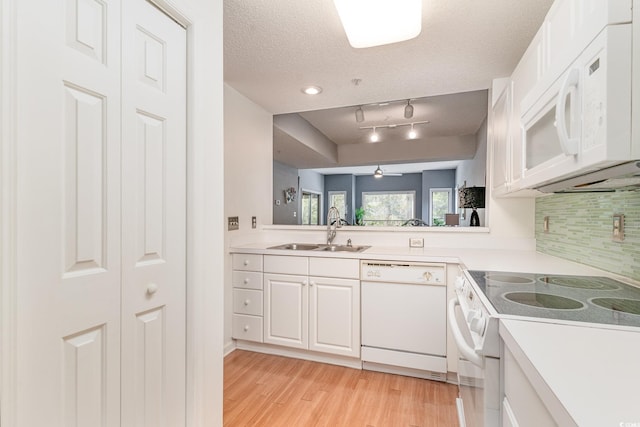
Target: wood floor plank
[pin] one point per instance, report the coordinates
(271, 391)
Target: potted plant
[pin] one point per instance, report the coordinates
(359, 216)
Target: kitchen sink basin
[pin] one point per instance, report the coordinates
(342, 248)
(325, 248)
(296, 247)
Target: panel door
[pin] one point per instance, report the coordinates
(286, 314)
(334, 316)
(68, 210)
(153, 217)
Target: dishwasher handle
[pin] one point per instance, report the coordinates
(467, 352)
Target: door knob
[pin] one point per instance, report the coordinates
(152, 288)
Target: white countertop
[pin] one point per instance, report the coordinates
(523, 261)
(591, 375)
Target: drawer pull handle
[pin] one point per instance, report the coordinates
(246, 328)
(246, 302)
(246, 262)
(246, 281)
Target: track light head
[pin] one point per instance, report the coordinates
(408, 110)
(378, 173)
(374, 136)
(359, 115)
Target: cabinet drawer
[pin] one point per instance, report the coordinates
(247, 328)
(286, 264)
(247, 262)
(332, 267)
(247, 301)
(246, 279)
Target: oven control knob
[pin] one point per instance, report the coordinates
(477, 324)
(472, 314)
(427, 276)
(459, 283)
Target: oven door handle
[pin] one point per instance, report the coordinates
(467, 352)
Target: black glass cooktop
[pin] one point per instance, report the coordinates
(574, 298)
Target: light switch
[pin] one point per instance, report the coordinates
(234, 223)
(618, 228)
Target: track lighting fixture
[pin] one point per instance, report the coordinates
(378, 173)
(408, 110)
(359, 115)
(413, 134)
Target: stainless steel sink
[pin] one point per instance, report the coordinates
(313, 247)
(342, 248)
(296, 247)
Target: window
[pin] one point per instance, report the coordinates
(440, 203)
(388, 208)
(310, 208)
(339, 200)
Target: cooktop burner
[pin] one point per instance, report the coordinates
(581, 282)
(535, 299)
(573, 298)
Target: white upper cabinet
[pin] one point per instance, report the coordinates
(567, 109)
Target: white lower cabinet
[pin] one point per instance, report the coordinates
(286, 313)
(246, 278)
(522, 406)
(312, 312)
(334, 316)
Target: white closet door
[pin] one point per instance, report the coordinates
(153, 217)
(68, 213)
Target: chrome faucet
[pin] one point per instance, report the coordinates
(333, 223)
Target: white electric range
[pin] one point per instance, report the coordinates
(482, 297)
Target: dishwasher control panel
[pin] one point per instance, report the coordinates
(403, 272)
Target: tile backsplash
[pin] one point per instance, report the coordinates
(580, 229)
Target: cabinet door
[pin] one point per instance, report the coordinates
(500, 142)
(334, 316)
(286, 314)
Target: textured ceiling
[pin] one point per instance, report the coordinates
(274, 48)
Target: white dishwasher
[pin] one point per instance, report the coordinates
(404, 307)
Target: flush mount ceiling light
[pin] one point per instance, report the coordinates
(378, 22)
(408, 110)
(359, 115)
(312, 90)
(378, 173)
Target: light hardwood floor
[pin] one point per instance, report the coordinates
(266, 390)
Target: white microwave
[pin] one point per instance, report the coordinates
(582, 122)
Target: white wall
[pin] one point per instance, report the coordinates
(248, 169)
(473, 173)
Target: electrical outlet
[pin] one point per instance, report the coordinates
(234, 223)
(545, 224)
(618, 228)
(254, 222)
(415, 242)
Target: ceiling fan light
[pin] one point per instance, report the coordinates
(408, 110)
(378, 22)
(359, 115)
(378, 173)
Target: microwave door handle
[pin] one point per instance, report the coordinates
(569, 145)
(467, 352)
